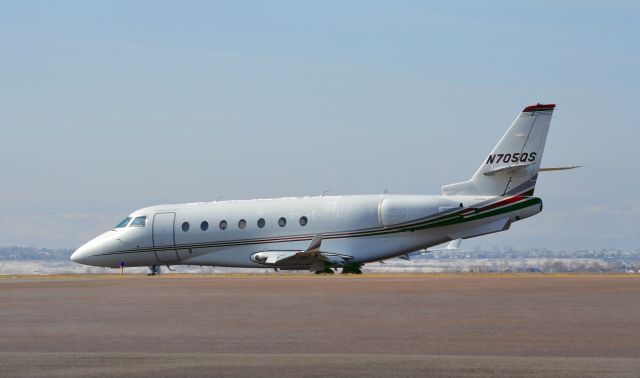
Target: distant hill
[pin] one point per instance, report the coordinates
(33, 253)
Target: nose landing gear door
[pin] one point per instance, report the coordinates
(164, 241)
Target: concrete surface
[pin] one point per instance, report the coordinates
(372, 325)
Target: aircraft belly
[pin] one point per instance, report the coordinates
(390, 245)
(479, 228)
(235, 256)
(361, 249)
(138, 259)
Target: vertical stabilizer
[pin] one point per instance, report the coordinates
(512, 166)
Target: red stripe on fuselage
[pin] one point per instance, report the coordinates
(502, 203)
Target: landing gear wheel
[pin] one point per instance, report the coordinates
(153, 270)
(352, 269)
(325, 271)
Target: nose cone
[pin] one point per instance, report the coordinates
(81, 255)
(96, 251)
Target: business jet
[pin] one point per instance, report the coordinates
(323, 233)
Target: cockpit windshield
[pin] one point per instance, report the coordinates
(123, 223)
(139, 222)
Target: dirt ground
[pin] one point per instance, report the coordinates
(373, 325)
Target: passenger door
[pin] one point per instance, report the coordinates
(164, 241)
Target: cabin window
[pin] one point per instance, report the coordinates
(123, 223)
(139, 222)
(261, 222)
(303, 221)
(223, 224)
(185, 226)
(242, 224)
(204, 225)
(282, 222)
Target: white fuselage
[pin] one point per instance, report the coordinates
(319, 233)
(364, 227)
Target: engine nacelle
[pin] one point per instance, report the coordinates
(395, 211)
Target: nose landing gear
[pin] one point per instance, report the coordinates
(154, 270)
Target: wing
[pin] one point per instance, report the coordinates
(313, 252)
(311, 256)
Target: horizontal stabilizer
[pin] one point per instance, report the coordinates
(550, 169)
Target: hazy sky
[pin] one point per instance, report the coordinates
(106, 107)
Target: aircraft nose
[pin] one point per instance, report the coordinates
(95, 251)
(80, 255)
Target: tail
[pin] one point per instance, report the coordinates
(512, 167)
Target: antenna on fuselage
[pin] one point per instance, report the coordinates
(218, 198)
(324, 192)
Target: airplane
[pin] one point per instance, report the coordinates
(323, 233)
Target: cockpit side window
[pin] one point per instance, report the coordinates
(139, 222)
(123, 223)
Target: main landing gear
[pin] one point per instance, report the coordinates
(352, 269)
(327, 270)
(154, 270)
